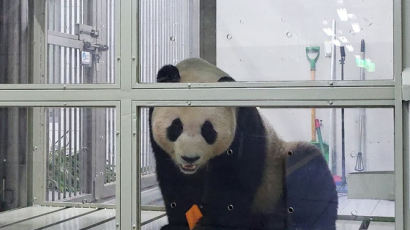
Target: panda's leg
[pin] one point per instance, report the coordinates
(274, 221)
(310, 190)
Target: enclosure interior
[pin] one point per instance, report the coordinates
(364, 180)
(69, 154)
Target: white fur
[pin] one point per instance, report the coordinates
(191, 143)
(198, 70)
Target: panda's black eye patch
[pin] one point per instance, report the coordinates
(208, 132)
(174, 130)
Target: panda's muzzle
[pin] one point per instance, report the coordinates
(189, 167)
(190, 160)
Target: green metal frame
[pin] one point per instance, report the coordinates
(127, 95)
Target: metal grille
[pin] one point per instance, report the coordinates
(65, 158)
(164, 35)
(73, 153)
(110, 156)
(65, 65)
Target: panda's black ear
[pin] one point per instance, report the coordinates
(226, 79)
(168, 73)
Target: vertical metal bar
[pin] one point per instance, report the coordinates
(64, 153)
(50, 63)
(47, 141)
(63, 49)
(406, 161)
(81, 21)
(72, 166)
(136, 177)
(208, 30)
(114, 140)
(107, 163)
(405, 34)
(59, 153)
(53, 151)
(57, 49)
(113, 146)
(75, 151)
(70, 141)
(172, 31)
(143, 153)
(51, 15)
(81, 148)
(77, 51)
(142, 40)
(398, 117)
(108, 28)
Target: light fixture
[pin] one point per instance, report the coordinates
(343, 39)
(356, 27)
(342, 12)
(336, 42)
(328, 31)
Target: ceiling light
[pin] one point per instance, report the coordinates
(328, 31)
(356, 27)
(342, 12)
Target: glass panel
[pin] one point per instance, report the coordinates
(14, 42)
(309, 159)
(272, 41)
(62, 154)
(267, 41)
(14, 155)
(81, 155)
(81, 41)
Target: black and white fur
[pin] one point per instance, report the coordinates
(231, 163)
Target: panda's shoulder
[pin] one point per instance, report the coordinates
(304, 155)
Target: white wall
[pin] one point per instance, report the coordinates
(265, 40)
(260, 50)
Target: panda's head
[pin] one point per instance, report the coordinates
(191, 136)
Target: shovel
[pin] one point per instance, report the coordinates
(312, 55)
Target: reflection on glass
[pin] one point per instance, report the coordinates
(255, 53)
(272, 47)
(359, 154)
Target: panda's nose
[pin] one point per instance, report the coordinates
(190, 159)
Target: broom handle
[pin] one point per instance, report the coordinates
(313, 111)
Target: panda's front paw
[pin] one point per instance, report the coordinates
(201, 227)
(174, 227)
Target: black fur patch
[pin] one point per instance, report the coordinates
(168, 73)
(226, 79)
(208, 132)
(174, 130)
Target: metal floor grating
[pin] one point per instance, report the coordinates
(55, 218)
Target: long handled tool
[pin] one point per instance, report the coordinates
(320, 139)
(312, 55)
(360, 158)
(342, 63)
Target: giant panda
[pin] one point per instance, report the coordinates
(231, 163)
